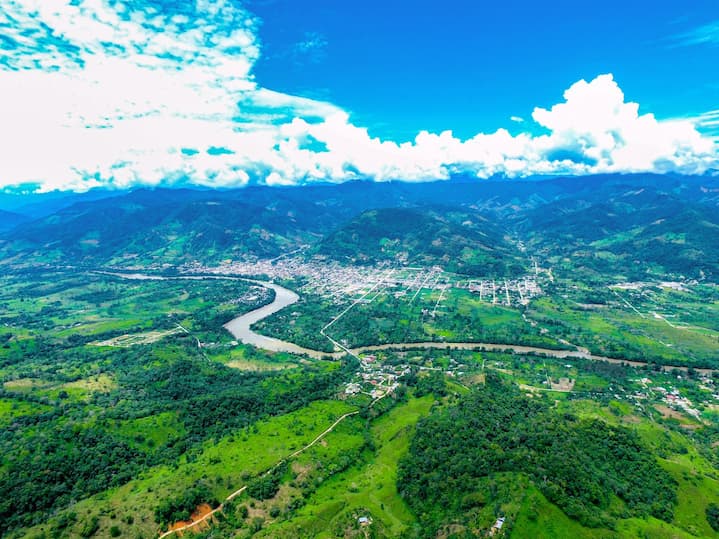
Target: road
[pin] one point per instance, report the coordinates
(240, 329)
(244, 487)
(285, 297)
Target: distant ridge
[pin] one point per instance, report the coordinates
(465, 225)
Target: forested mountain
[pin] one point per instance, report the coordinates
(457, 240)
(157, 226)
(470, 226)
(674, 228)
(592, 470)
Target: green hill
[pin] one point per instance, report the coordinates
(628, 230)
(456, 240)
(469, 462)
(611, 224)
(153, 227)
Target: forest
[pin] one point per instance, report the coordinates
(591, 470)
(77, 449)
(125, 405)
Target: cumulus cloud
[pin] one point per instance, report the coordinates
(98, 93)
(597, 127)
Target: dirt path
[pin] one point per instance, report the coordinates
(244, 487)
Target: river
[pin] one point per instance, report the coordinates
(240, 328)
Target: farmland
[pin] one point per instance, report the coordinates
(114, 338)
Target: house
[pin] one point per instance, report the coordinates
(497, 527)
(364, 521)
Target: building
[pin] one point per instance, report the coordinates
(497, 527)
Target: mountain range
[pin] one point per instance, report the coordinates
(478, 227)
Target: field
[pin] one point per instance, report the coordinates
(394, 315)
(125, 406)
(366, 489)
(224, 466)
(652, 322)
(100, 414)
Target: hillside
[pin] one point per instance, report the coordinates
(674, 231)
(9, 220)
(149, 227)
(497, 447)
(458, 241)
(608, 223)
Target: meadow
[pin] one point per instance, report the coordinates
(125, 407)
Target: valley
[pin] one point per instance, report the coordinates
(307, 393)
(359, 270)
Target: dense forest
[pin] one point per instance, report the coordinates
(76, 449)
(582, 465)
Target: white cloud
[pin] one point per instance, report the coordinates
(99, 94)
(312, 49)
(517, 119)
(707, 34)
(598, 127)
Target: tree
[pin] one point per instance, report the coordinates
(712, 514)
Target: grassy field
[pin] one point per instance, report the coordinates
(246, 359)
(387, 317)
(366, 488)
(223, 465)
(652, 324)
(96, 358)
(11, 409)
(68, 305)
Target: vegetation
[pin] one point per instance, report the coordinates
(712, 514)
(391, 319)
(181, 507)
(81, 418)
(604, 224)
(586, 467)
(462, 242)
(267, 485)
(125, 406)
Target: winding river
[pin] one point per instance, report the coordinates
(240, 328)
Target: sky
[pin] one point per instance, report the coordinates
(222, 93)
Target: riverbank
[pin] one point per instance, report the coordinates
(241, 328)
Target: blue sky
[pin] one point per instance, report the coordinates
(469, 66)
(100, 93)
